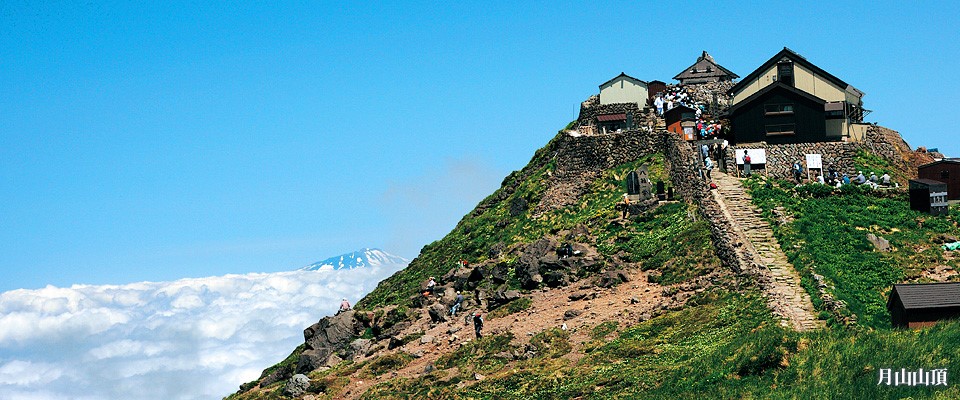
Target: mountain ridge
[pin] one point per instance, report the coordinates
(666, 288)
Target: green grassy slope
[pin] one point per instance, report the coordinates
(724, 343)
(503, 220)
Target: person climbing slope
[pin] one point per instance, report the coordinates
(456, 304)
(478, 324)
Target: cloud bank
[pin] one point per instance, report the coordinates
(187, 339)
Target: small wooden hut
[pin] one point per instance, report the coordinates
(917, 305)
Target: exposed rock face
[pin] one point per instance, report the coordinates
(297, 385)
(325, 337)
(331, 331)
(437, 312)
(502, 297)
(612, 278)
(361, 346)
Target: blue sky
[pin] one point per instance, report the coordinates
(173, 139)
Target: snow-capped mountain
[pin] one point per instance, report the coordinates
(357, 259)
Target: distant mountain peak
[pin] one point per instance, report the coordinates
(362, 258)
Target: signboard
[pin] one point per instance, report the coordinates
(638, 183)
(757, 156)
(814, 161)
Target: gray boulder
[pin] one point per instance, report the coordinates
(361, 346)
(335, 331)
(438, 312)
(312, 359)
(297, 385)
(502, 297)
(612, 278)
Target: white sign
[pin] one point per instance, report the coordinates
(757, 156)
(814, 161)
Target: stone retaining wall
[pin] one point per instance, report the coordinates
(684, 169)
(883, 142)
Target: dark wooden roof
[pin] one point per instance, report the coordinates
(797, 59)
(704, 63)
(927, 295)
(611, 117)
(622, 75)
(769, 88)
(929, 182)
(943, 161)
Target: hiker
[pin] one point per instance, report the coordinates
(659, 104)
(708, 166)
(430, 285)
(566, 250)
(798, 172)
(478, 324)
(344, 306)
(746, 163)
(625, 206)
(456, 304)
(860, 178)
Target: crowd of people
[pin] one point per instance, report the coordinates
(677, 96)
(837, 179)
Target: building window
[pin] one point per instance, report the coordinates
(777, 109)
(779, 129)
(835, 114)
(785, 71)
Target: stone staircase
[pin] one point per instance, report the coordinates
(780, 282)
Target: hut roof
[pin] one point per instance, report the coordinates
(705, 67)
(927, 295)
(942, 161)
(798, 59)
(623, 75)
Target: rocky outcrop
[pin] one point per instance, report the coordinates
(296, 386)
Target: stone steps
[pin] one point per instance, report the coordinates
(784, 294)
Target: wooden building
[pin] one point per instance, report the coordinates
(947, 171)
(654, 87)
(917, 305)
(788, 99)
(681, 120)
(929, 196)
(705, 70)
(624, 89)
(607, 123)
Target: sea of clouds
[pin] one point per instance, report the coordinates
(187, 339)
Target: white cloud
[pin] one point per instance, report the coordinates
(187, 339)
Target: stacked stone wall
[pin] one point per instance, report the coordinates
(880, 141)
(581, 159)
(590, 109)
(684, 166)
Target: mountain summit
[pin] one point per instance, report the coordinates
(358, 259)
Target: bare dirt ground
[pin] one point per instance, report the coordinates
(624, 303)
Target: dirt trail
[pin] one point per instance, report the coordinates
(624, 303)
